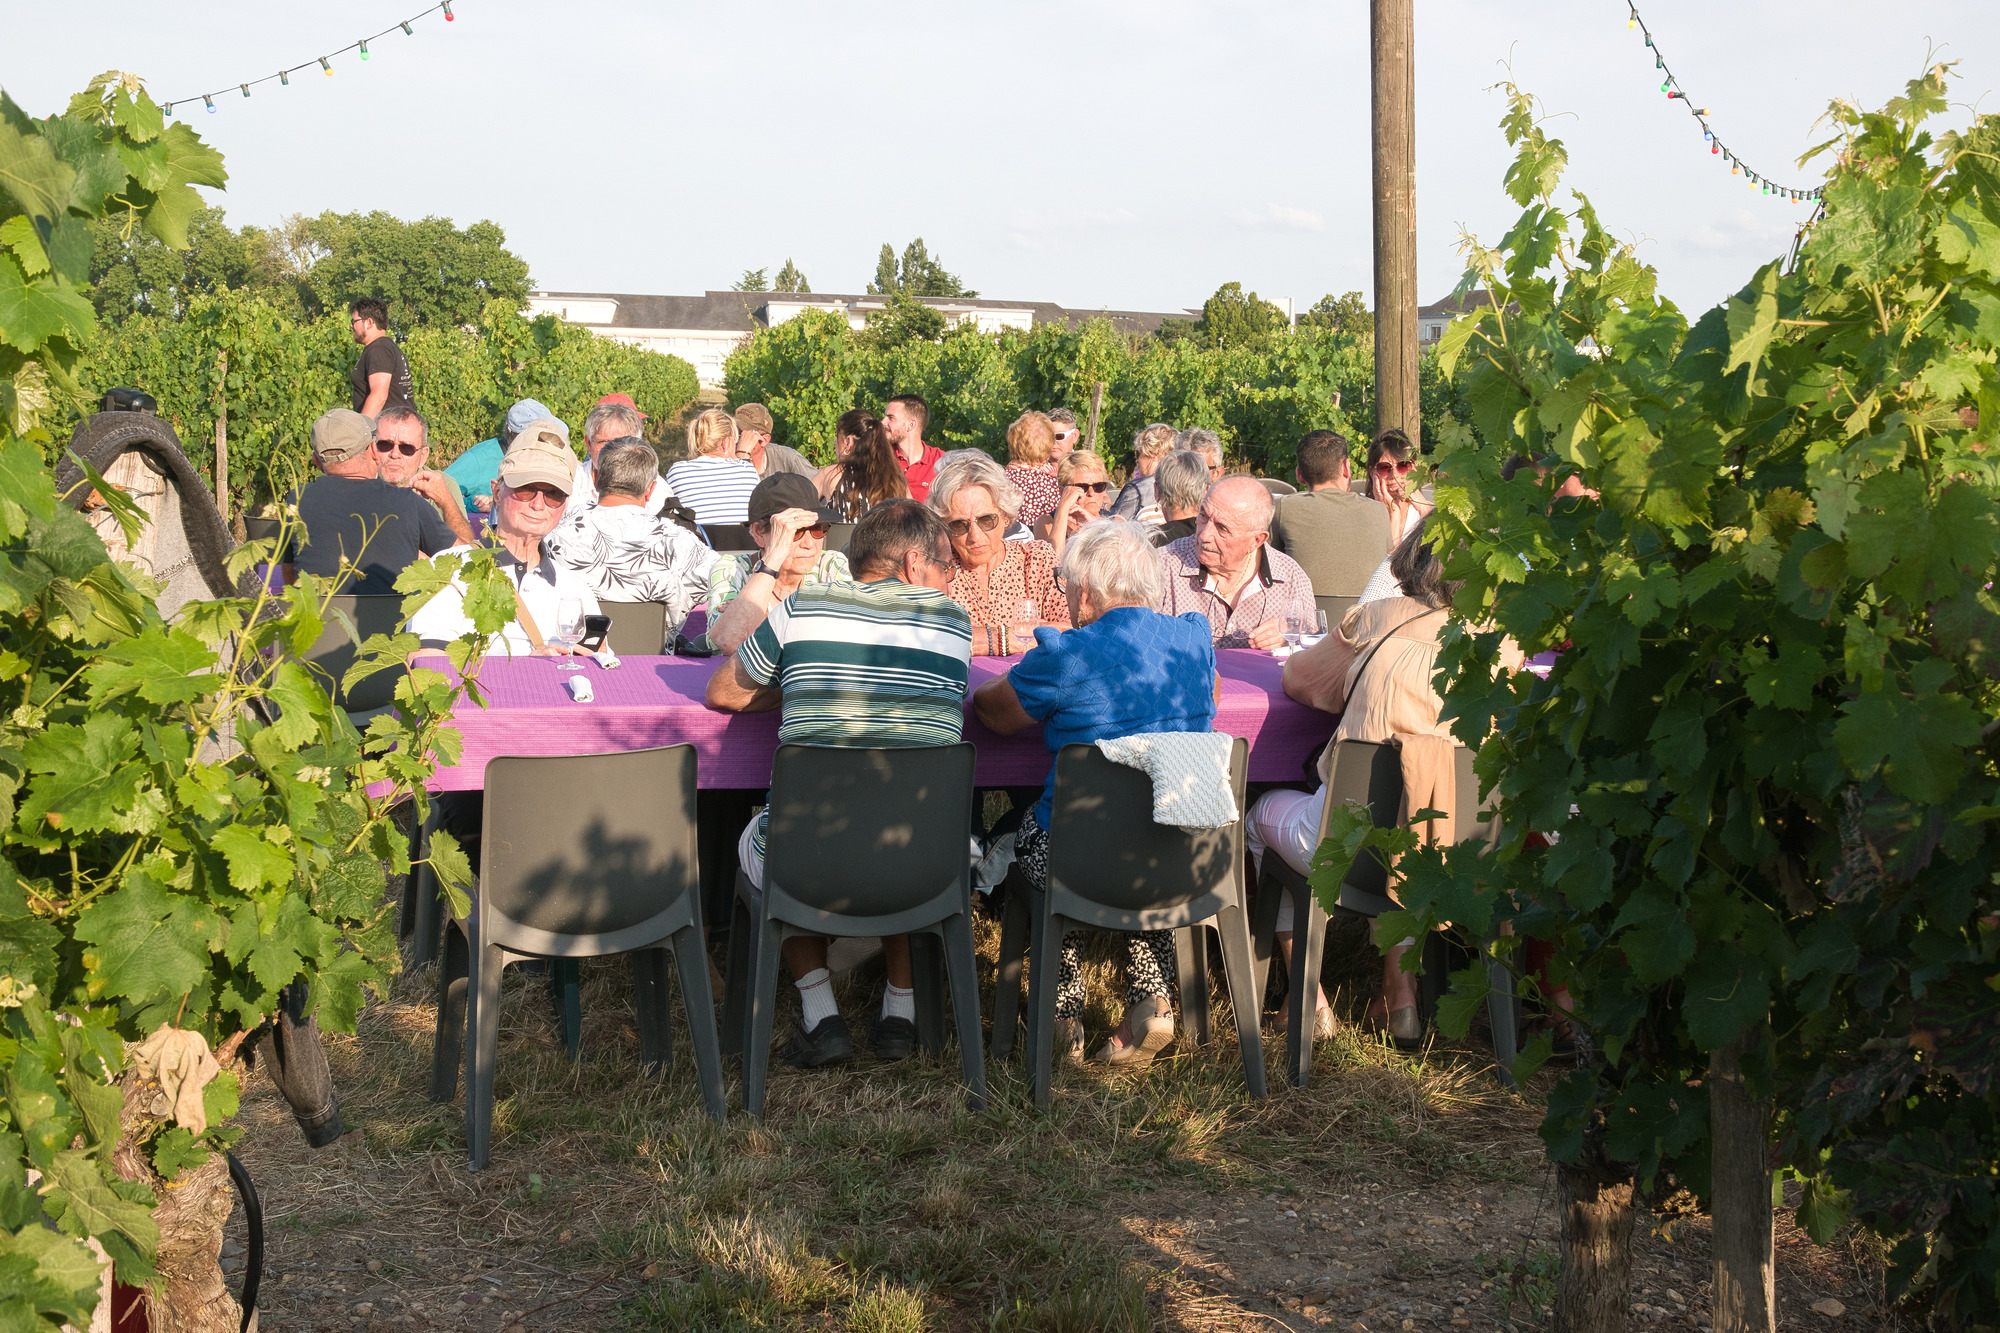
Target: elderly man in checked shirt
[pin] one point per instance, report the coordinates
(1228, 572)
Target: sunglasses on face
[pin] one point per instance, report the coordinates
(403, 447)
(959, 527)
(540, 495)
(1094, 487)
(1386, 468)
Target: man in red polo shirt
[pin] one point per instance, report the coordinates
(903, 421)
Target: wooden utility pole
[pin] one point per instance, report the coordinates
(222, 435)
(1395, 142)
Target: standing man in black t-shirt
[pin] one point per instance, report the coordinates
(351, 515)
(381, 378)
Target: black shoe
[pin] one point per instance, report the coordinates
(827, 1044)
(895, 1038)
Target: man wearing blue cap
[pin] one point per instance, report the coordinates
(475, 469)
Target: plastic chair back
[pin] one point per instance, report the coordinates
(1336, 608)
(335, 650)
(637, 627)
(734, 537)
(1278, 487)
(1372, 773)
(592, 854)
(836, 810)
(1106, 852)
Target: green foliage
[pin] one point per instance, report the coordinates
(1260, 398)
(1767, 742)
(281, 375)
(790, 279)
(1232, 318)
(753, 280)
(904, 320)
(917, 275)
(1347, 314)
(187, 824)
(430, 272)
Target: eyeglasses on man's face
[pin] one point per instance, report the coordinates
(540, 494)
(403, 447)
(961, 527)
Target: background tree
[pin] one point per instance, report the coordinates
(917, 274)
(1232, 318)
(143, 275)
(885, 279)
(790, 279)
(753, 280)
(1347, 314)
(905, 319)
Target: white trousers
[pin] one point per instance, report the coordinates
(1286, 822)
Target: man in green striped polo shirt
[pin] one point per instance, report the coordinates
(881, 661)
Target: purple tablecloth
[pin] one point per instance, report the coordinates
(651, 701)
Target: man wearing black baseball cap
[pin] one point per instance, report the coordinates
(788, 521)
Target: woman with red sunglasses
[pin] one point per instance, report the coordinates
(1391, 459)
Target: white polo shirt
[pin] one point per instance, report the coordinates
(442, 619)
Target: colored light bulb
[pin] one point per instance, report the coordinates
(1716, 149)
(327, 66)
(285, 78)
(1632, 22)
(408, 31)
(168, 108)
(245, 87)
(446, 7)
(1663, 85)
(209, 103)
(364, 50)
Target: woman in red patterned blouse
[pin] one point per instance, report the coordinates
(1007, 587)
(1031, 445)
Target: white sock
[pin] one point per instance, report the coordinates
(899, 1003)
(816, 997)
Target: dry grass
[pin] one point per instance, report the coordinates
(869, 1199)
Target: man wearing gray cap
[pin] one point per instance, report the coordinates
(350, 519)
(475, 469)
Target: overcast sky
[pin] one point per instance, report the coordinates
(1098, 153)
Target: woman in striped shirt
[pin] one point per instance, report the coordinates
(712, 481)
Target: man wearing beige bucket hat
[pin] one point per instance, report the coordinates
(528, 498)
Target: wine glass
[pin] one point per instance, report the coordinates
(569, 629)
(1315, 629)
(1295, 631)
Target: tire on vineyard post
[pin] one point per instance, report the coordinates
(1595, 1195)
(1740, 1193)
(192, 1210)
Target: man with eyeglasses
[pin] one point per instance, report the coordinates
(1228, 572)
(403, 451)
(350, 525)
(625, 553)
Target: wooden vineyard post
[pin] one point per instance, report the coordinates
(222, 435)
(1395, 179)
(1096, 406)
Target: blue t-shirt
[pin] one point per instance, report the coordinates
(1131, 670)
(475, 469)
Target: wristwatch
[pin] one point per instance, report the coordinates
(763, 568)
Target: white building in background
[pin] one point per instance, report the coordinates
(703, 330)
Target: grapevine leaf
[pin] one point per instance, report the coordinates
(254, 860)
(1823, 1210)
(146, 940)
(1753, 320)
(175, 1150)
(87, 784)
(1918, 743)
(454, 873)
(91, 1208)
(1457, 1007)
(18, 234)
(34, 311)
(1965, 237)
(1728, 992)
(32, 175)
(162, 665)
(1657, 939)
(43, 1272)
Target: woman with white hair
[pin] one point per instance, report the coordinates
(1007, 587)
(712, 480)
(1125, 669)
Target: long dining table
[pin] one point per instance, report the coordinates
(651, 701)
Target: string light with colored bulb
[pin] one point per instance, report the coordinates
(1671, 87)
(325, 62)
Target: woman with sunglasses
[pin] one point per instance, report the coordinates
(866, 475)
(1086, 494)
(788, 523)
(1391, 459)
(1007, 587)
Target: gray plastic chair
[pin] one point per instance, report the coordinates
(335, 650)
(729, 536)
(583, 856)
(1277, 486)
(1372, 774)
(1112, 868)
(637, 627)
(1335, 608)
(861, 843)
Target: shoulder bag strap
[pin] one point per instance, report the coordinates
(521, 613)
(1311, 764)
